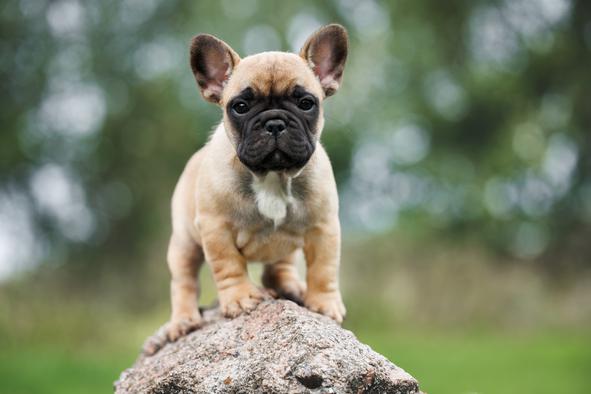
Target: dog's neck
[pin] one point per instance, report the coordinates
(272, 191)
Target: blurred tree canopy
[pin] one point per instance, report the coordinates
(462, 119)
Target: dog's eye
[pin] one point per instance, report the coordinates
(240, 107)
(306, 104)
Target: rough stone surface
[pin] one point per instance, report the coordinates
(278, 348)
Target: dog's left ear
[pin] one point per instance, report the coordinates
(326, 53)
(212, 62)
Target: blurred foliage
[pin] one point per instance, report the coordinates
(463, 119)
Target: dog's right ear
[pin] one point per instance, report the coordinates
(212, 62)
(325, 51)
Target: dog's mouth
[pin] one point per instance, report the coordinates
(276, 160)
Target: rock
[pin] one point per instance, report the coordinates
(279, 347)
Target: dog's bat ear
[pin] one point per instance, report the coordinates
(212, 62)
(326, 53)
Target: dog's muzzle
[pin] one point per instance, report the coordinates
(275, 140)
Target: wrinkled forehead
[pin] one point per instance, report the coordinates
(272, 73)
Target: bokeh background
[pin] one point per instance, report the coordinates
(461, 141)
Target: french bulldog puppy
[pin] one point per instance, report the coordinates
(262, 187)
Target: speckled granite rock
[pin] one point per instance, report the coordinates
(278, 348)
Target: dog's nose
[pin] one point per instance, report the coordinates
(275, 126)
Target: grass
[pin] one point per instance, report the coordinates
(490, 363)
(443, 363)
(47, 369)
(533, 335)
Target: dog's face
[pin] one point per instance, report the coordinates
(272, 101)
(272, 109)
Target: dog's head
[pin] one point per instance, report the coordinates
(272, 101)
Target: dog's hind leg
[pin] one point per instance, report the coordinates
(184, 261)
(282, 277)
(185, 258)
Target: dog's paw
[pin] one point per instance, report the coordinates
(293, 290)
(180, 327)
(284, 283)
(328, 304)
(241, 298)
(170, 332)
(154, 343)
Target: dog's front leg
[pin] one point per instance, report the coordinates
(236, 292)
(322, 250)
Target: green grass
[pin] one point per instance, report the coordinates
(47, 369)
(488, 363)
(443, 363)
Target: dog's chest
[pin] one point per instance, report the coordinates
(273, 197)
(274, 225)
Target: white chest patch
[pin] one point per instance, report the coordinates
(273, 195)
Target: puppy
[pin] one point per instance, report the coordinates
(262, 188)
